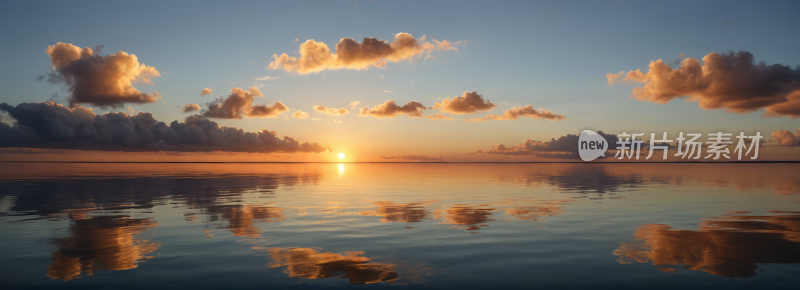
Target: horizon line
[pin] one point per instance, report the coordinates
(427, 162)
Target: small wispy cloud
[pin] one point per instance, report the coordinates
(387, 91)
(268, 78)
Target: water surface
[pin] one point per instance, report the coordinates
(161, 226)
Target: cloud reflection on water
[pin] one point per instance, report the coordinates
(307, 263)
(230, 199)
(730, 246)
(101, 243)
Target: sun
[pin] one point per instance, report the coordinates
(341, 155)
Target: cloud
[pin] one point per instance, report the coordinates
(51, 125)
(786, 138)
(331, 111)
(387, 91)
(565, 147)
(205, 92)
(190, 108)
(268, 78)
(300, 115)
(103, 81)
(438, 116)
(390, 110)
(479, 152)
(316, 56)
(446, 45)
(467, 103)
(516, 112)
(353, 105)
(412, 158)
(730, 81)
(614, 78)
(239, 103)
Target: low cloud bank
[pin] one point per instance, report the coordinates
(51, 125)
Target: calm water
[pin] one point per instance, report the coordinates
(162, 226)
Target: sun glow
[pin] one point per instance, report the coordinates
(341, 155)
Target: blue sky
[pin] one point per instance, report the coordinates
(549, 54)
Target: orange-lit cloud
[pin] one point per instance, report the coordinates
(731, 81)
(239, 103)
(205, 92)
(438, 116)
(104, 81)
(316, 56)
(51, 125)
(300, 115)
(467, 103)
(355, 104)
(516, 112)
(307, 263)
(331, 111)
(786, 138)
(390, 110)
(412, 158)
(190, 108)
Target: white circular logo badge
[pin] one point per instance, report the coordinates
(591, 145)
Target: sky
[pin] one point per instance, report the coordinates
(559, 57)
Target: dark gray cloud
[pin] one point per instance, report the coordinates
(565, 147)
(51, 125)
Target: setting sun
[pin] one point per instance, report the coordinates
(341, 155)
